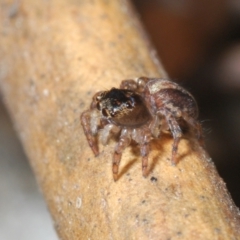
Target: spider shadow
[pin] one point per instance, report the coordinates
(135, 151)
(126, 168)
(154, 144)
(157, 146)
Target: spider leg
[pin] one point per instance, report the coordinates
(144, 149)
(88, 131)
(122, 144)
(196, 127)
(176, 133)
(200, 134)
(154, 126)
(129, 84)
(143, 136)
(105, 133)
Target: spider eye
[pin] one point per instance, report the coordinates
(116, 103)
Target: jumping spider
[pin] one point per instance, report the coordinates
(140, 110)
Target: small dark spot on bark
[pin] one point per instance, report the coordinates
(120, 36)
(153, 179)
(81, 104)
(56, 226)
(104, 16)
(112, 44)
(145, 220)
(13, 10)
(217, 230)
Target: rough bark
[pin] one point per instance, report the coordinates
(54, 56)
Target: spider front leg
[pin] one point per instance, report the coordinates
(124, 141)
(89, 123)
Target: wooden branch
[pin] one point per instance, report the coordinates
(54, 55)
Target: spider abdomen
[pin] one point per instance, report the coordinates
(173, 98)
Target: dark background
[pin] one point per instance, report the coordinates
(199, 46)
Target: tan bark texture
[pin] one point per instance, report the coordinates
(54, 55)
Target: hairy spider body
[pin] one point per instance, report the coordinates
(140, 110)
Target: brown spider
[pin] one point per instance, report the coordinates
(140, 110)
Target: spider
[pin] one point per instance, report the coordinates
(140, 110)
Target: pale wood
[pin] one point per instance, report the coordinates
(53, 56)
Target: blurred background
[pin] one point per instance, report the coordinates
(198, 42)
(23, 212)
(199, 45)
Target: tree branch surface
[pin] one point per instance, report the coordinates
(54, 55)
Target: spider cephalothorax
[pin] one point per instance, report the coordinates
(140, 110)
(123, 108)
